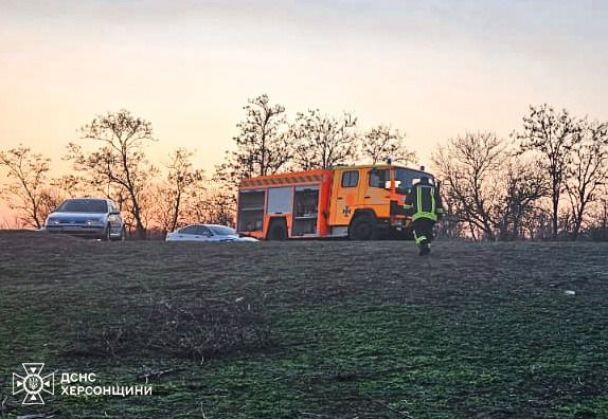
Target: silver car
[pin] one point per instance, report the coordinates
(207, 233)
(87, 217)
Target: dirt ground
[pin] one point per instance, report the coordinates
(309, 329)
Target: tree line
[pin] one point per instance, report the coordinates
(548, 180)
(545, 181)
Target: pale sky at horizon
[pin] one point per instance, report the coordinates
(433, 69)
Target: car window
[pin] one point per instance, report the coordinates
(378, 178)
(84, 205)
(189, 230)
(405, 178)
(350, 179)
(203, 231)
(222, 230)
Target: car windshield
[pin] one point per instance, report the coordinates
(222, 230)
(84, 205)
(405, 178)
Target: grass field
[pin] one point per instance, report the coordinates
(309, 329)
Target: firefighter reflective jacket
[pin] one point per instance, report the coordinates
(424, 201)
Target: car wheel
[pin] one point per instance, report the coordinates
(277, 230)
(122, 236)
(106, 234)
(363, 227)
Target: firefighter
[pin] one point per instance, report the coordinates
(423, 204)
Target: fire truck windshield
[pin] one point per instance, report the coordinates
(405, 178)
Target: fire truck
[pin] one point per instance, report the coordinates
(358, 202)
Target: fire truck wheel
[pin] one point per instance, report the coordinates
(277, 230)
(363, 227)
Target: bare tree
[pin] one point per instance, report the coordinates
(381, 143)
(524, 185)
(69, 185)
(467, 166)
(320, 141)
(261, 145)
(119, 161)
(552, 135)
(537, 223)
(211, 206)
(451, 226)
(27, 191)
(599, 225)
(220, 209)
(229, 173)
(197, 207)
(587, 171)
(487, 187)
(51, 198)
(181, 179)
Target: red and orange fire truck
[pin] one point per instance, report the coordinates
(359, 202)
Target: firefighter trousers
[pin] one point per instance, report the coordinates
(423, 230)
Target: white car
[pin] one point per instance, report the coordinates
(207, 233)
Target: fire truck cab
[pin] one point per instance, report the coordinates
(359, 202)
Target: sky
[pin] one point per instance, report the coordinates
(433, 69)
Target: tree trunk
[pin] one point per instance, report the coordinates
(555, 215)
(176, 211)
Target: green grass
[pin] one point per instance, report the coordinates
(365, 330)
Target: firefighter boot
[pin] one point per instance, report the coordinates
(423, 244)
(425, 247)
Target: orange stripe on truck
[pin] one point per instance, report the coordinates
(267, 181)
